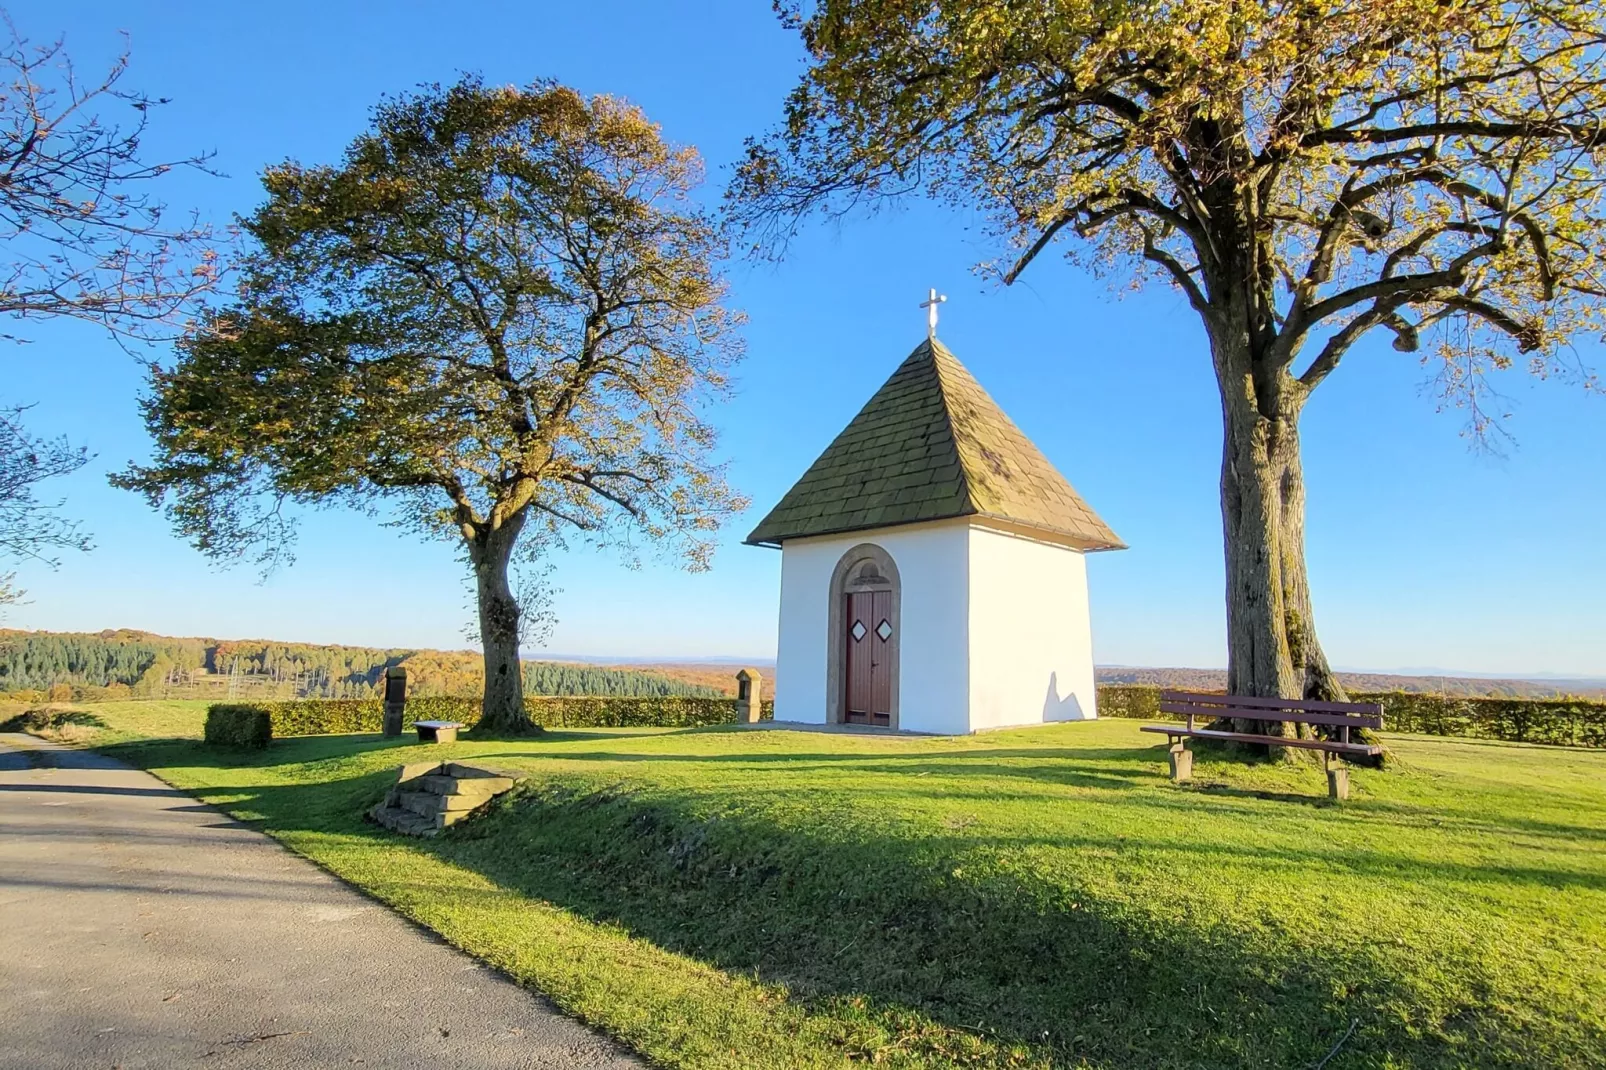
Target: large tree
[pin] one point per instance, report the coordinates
(499, 313)
(1306, 172)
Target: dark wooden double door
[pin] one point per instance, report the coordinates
(869, 645)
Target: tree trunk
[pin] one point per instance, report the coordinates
(503, 704)
(1272, 649)
(1311, 672)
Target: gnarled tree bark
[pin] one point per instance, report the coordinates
(1272, 648)
(490, 552)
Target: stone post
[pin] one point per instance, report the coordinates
(395, 698)
(749, 695)
(1337, 782)
(1181, 762)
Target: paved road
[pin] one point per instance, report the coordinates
(139, 928)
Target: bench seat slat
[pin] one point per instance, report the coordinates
(1177, 731)
(1338, 720)
(1271, 703)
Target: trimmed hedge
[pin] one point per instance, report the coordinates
(325, 716)
(238, 725)
(678, 711)
(1561, 722)
(1131, 700)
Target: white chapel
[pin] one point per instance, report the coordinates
(933, 568)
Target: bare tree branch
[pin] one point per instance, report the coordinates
(84, 238)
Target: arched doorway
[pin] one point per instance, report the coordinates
(862, 673)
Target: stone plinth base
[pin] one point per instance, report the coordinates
(1181, 762)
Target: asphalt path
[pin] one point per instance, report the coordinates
(139, 928)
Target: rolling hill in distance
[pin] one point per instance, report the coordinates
(133, 663)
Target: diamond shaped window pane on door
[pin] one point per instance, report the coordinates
(884, 630)
(858, 630)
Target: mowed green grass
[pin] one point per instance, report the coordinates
(1045, 897)
(103, 723)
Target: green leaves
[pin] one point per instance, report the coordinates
(501, 300)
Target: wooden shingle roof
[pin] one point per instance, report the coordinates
(930, 445)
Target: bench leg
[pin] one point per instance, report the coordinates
(1181, 762)
(445, 735)
(425, 735)
(1337, 782)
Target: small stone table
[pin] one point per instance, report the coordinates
(437, 731)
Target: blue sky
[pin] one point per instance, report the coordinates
(1423, 554)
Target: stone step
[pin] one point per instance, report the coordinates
(429, 796)
(473, 772)
(483, 787)
(429, 804)
(413, 773)
(452, 817)
(422, 803)
(405, 821)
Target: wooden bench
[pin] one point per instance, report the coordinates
(437, 731)
(1344, 716)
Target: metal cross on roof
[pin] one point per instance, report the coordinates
(930, 305)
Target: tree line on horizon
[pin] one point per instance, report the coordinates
(40, 666)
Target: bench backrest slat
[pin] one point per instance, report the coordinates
(1252, 707)
(1260, 713)
(1271, 703)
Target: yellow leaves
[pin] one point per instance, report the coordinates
(1306, 153)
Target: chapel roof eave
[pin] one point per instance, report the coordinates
(1044, 534)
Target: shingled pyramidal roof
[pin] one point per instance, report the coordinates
(928, 446)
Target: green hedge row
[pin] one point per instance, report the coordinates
(324, 716)
(238, 725)
(1130, 700)
(1563, 722)
(668, 711)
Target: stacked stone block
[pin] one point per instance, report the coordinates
(430, 796)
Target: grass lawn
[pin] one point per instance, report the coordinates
(740, 898)
(103, 723)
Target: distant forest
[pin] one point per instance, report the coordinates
(127, 664)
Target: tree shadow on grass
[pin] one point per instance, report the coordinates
(839, 911)
(1060, 767)
(1206, 786)
(957, 928)
(66, 726)
(926, 929)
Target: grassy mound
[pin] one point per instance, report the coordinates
(770, 898)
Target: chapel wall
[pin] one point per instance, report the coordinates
(1031, 642)
(934, 662)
